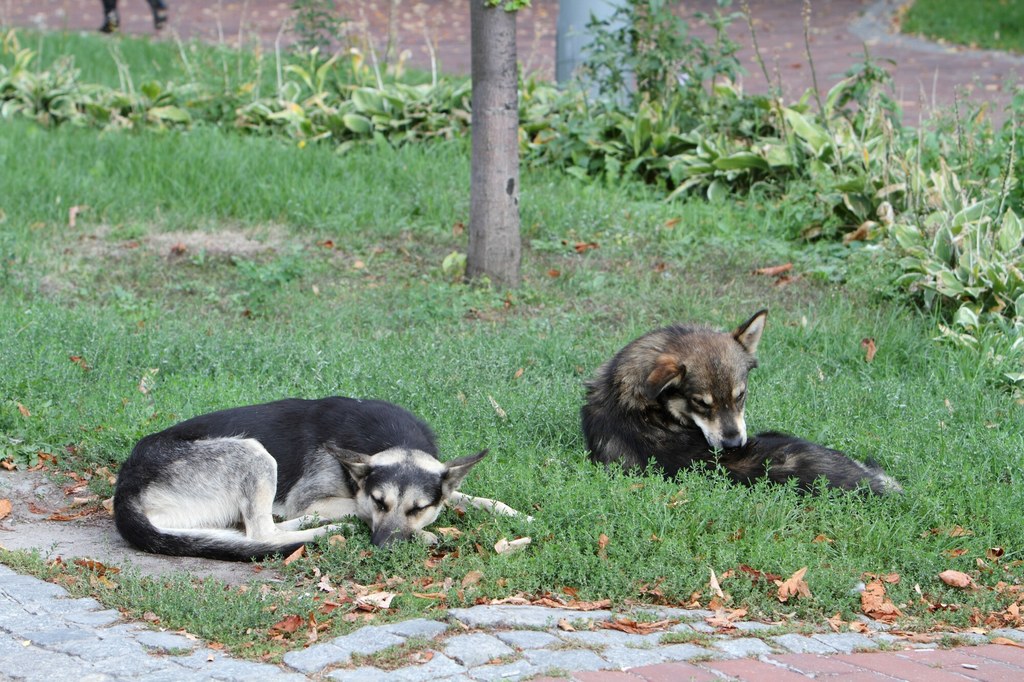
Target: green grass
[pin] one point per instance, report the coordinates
(990, 24)
(348, 297)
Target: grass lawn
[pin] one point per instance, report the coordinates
(214, 270)
(990, 24)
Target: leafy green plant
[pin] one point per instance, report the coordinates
(964, 259)
(316, 24)
(646, 49)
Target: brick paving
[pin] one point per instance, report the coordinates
(926, 76)
(46, 635)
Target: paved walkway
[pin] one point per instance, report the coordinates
(47, 635)
(926, 75)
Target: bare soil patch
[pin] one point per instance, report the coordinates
(34, 496)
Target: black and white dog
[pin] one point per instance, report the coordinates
(186, 490)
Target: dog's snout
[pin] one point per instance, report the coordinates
(733, 440)
(383, 536)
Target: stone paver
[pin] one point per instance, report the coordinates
(48, 636)
(476, 649)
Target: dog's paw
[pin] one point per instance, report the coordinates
(426, 537)
(339, 528)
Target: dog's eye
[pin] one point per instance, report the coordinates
(380, 504)
(702, 403)
(741, 396)
(414, 511)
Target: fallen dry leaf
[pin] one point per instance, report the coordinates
(822, 538)
(565, 625)
(96, 566)
(860, 234)
(294, 556)
(73, 215)
(148, 380)
(504, 546)
(449, 532)
(472, 578)
(634, 627)
(794, 586)
(774, 270)
(876, 605)
(836, 622)
(5, 508)
(1006, 641)
(583, 247)
(858, 626)
(288, 624)
(716, 589)
(602, 546)
(497, 408)
(725, 619)
(24, 410)
(956, 579)
(80, 361)
(63, 514)
(377, 600)
(869, 349)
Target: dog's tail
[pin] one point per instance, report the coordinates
(223, 544)
(782, 458)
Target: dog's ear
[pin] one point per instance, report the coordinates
(667, 371)
(456, 470)
(356, 463)
(748, 334)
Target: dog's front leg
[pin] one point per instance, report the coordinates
(460, 501)
(332, 508)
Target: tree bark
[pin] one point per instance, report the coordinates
(494, 243)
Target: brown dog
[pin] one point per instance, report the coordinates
(676, 397)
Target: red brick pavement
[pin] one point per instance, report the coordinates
(990, 663)
(926, 75)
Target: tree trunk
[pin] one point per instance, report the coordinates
(494, 244)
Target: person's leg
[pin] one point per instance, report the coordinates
(159, 8)
(111, 21)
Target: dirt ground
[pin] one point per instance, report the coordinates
(35, 496)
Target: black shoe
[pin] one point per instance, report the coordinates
(111, 23)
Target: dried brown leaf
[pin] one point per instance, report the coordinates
(505, 546)
(377, 600)
(5, 508)
(870, 349)
(472, 578)
(1006, 641)
(774, 270)
(634, 627)
(956, 579)
(716, 589)
(295, 556)
(794, 586)
(875, 604)
(287, 625)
